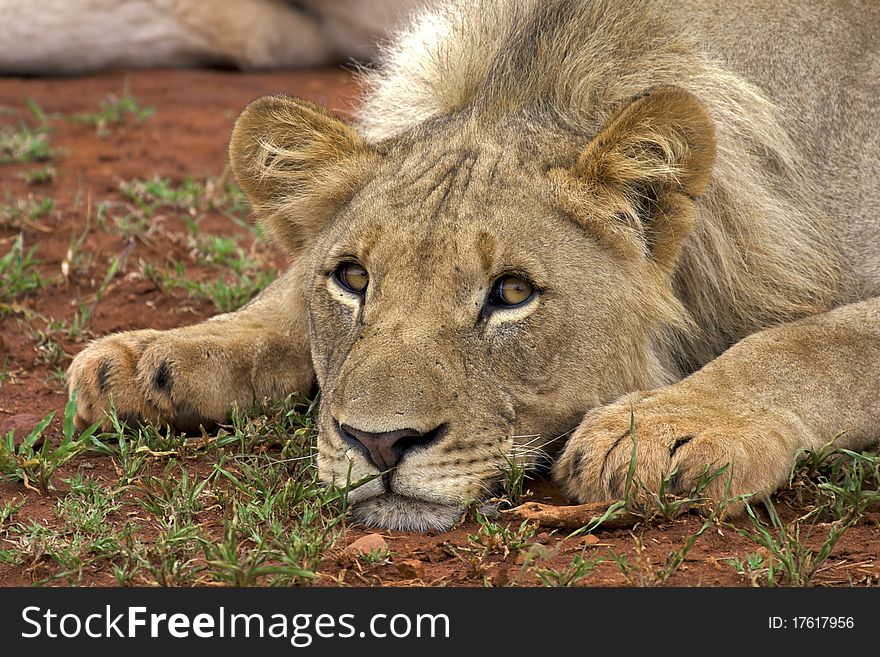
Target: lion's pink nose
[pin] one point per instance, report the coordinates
(386, 449)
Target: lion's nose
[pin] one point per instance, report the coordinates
(386, 449)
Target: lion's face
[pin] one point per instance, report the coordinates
(462, 315)
(437, 308)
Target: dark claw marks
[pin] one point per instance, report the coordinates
(625, 434)
(577, 460)
(104, 377)
(676, 484)
(162, 378)
(679, 443)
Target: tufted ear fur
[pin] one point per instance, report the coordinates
(634, 184)
(297, 164)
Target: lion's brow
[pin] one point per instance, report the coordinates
(439, 182)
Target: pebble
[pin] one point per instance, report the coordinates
(411, 568)
(370, 543)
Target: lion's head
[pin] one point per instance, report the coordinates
(474, 285)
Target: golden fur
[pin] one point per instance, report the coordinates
(665, 176)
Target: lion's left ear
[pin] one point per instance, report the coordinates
(635, 182)
(297, 164)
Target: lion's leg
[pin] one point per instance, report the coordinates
(195, 374)
(790, 387)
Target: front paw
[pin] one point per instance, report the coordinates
(105, 373)
(677, 436)
(157, 377)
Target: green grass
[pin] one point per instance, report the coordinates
(191, 198)
(240, 507)
(229, 295)
(492, 539)
(793, 561)
(32, 464)
(498, 538)
(752, 567)
(230, 292)
(49, 351)
(79, 535)
(580, 567)
(4, 370)
(47, 333)
(16, 213)
(172, 493)
(76, 328)
(243, 506)
(833, 489)
(26, 143)
(18, 272)
(41, 175)
(514, 474)
(221, 251)
(149, 195)
(8, 511)
(833, 483)
(114, 112)
(639, 570)
(227, 197)
(77, 259)
(126, 220)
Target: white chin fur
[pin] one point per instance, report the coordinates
(405, 513)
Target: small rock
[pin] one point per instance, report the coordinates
(411, 568)
(371, 543)
(543, 538)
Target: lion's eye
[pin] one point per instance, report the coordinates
(509, 291)
(352, 277)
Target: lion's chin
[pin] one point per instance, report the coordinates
(392, 511)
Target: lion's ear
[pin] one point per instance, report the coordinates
(297, 164)
(638, 177)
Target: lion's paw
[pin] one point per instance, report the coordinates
(154, 376)
(185, 377)
(676, 439)
(105, 372)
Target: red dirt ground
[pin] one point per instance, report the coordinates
(187, 137)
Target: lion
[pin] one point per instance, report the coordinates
(61, 36)
(553, 218)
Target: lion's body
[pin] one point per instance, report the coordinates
(64, 36)
(671, 177)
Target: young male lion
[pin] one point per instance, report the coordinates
(548, 204)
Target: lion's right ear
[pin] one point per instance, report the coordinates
(636, 182)
(297, 164)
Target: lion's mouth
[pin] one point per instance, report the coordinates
(394, 511)
(409, 493)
